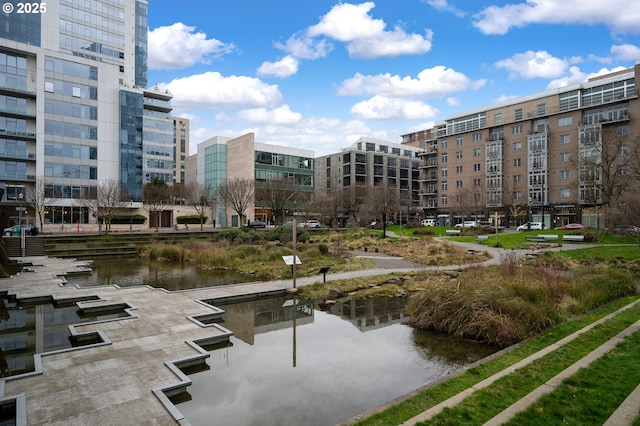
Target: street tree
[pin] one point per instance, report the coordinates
(107, 203)
(39, 200)
(277, 195)
(237, 194)
(156, 194)
(382, 202)
(199, 197)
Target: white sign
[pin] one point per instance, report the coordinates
(288, 260)
(21, 209)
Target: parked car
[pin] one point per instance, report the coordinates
(15, 230)
(428, 222)
(312, 224)
(573, 226)
(467, 224)
(257, 224)
(534, 225)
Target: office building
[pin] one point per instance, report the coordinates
(75, 111)
(557, 157)
(272, 168)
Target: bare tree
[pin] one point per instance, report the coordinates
(278, 196)
(354, 198)
(38, 198)
(237, 194)
(199, 197)
(382, 202)
(607, 164)
(107, 203)
(156, 195)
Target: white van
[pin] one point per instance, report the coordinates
(428, 222)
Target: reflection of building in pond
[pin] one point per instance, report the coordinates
(25, 331)
(371, 313)
(262, 316)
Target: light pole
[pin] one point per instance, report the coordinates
(20, 198)
(130, 213)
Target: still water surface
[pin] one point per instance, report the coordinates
(321, 366)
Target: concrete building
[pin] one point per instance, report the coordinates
(556, 156)
(222, 159)
(75, 111)
(373, 163)
(180, 148)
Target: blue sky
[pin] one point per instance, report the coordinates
(320, 74)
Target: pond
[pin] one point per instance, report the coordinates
(336, 362)
(134, 271)
(321, 366)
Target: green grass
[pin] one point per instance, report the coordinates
(516, 240)
(479, 408)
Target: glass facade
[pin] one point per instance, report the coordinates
(215, 174)
(142, 28)
(21, 27)
(131, 123)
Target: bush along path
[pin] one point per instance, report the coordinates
(583, 375)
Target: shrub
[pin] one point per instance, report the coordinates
(121, 219)
(423, 231)
(323, 249)
(193, 219)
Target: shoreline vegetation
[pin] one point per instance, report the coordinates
(500, 304)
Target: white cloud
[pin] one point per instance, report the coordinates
(366, 37)
(574, 76)
(281, 115)
(283, 68)
(305, 47)
(430, 82)
(444, 6)
(212, 90)
(533, 65)
(625, 52)
(383, 108)
(178, 46)
(619, 15)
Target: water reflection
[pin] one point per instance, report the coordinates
(27, 329)
(136, 271)
(347, 358)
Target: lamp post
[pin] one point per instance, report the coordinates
(20, 198)
(130, 214)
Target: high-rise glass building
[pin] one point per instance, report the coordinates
(75, 110)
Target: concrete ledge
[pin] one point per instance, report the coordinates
(549, 237)
(573, 238)
(453, 232)
(483, 237)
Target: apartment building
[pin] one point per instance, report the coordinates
(75, 110)
(373, 163)
(180, 148)
(557, 156)
(275, 167)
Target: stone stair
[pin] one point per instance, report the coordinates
(34, 246)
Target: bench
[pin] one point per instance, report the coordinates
(452, 232)
(535, 238)
(573, 238)
(483, 237)
(549, 237)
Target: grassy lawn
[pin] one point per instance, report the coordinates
(486, 403)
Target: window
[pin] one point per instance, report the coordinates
(517, 146)
(565, 139)
(517, 114)
(517, 130)
(517, 178)
(517, 195)
(458, 169)
(444, 200)
(477, 182)
(444, 172)
(476, 167)
(459, 140)
(443, 159)
(477, 137)
(517, 162)
(370, 146)
(541, 109)
(624, 150)
(565, 193)
(564, 174)
(497, 119)
(444, 185)
(443, 144)
(476, 152)
(564, 157)
(623, 170)
(458, 184)
(565, 121)
(458, 154)
(622, 130)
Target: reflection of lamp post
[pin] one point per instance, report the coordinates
(130, 213)
(20, 197)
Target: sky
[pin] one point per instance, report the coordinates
(319, 74)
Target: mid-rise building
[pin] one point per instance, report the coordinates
(180, 148)
(75, 111)
(270, 168)
(556, 156)
(372, 163)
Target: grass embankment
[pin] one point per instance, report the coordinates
(488, 402)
